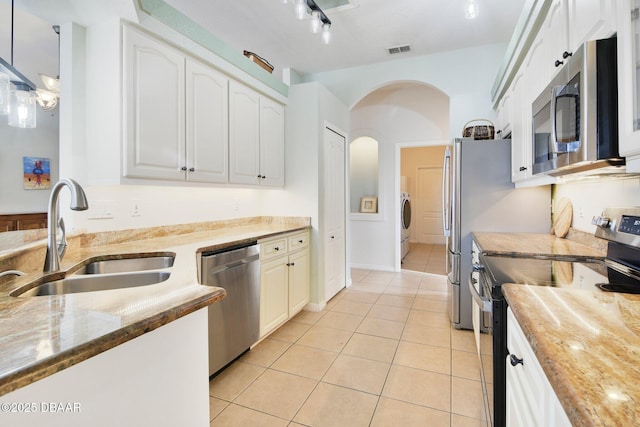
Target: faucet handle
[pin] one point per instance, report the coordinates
(62, 245)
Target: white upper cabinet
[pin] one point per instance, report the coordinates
(176, 114)
(186, 121)
(591, 20)
(256, 138)
(154, 95)
(207, 123)
(628, 82)
(271, 142)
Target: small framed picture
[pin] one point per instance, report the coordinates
(368, 204)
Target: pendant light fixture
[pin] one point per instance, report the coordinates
(48, 98)
(22, 98)
(320, 23)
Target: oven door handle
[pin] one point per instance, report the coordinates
(484, 304)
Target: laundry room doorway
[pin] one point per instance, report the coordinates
(421, 180)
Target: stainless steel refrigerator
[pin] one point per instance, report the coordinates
(478, 195)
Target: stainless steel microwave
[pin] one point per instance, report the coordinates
(575, 119)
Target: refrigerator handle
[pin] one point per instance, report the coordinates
(446, 196)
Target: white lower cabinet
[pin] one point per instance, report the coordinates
(531, 400)
(284, 279)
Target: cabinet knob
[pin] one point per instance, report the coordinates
(333, 237)
(192, 169)
(276, 248)
(523, 168)
(292, 264)
(264, 176)
(558, 63)
(300, 241)
(515, 361)
(184, 168)
(259, 176)
(566, 54)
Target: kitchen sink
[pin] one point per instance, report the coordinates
(109, 266)
(106, 274)
(90, 283)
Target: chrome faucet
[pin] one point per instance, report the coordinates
(55, 250)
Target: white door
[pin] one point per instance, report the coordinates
(334, 212)
(427, 205)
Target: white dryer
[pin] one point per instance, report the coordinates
(405, 223)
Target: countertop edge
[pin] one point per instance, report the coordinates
(573, 406)
(44, 368)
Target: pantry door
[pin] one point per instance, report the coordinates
(334, 222)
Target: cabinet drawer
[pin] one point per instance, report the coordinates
(273, 248)
(298, 241)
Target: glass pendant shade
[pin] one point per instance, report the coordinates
(471, 9)
(22, 109)
(326, 33)
(4, 94)
(300, 9)
(51, 83)
(316, 23)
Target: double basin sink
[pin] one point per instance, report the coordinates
(105, 274)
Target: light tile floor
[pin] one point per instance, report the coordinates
(382, 353)
(425, 257)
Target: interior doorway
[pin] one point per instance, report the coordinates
(421, 178)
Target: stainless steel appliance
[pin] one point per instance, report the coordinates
(575, 119)
(619, 272)
(405, 223)
(234, 322)
(478, 195)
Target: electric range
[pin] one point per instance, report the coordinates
(618, 272)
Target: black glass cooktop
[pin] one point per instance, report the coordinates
(545, 272)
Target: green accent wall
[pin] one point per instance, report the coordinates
(174, 19)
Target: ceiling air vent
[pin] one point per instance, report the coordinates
(399, 49)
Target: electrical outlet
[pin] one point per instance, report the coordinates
(135, 207)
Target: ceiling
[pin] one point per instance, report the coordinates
(362, 30)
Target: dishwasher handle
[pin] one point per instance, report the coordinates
(217, 269)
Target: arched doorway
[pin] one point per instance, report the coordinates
(399, 114)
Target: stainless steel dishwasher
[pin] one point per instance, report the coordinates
(234, 322)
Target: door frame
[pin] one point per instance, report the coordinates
(397, 192)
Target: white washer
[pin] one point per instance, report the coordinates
(405, 223)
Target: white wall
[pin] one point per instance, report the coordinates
(400, 114)
(465, 76)
(41, 141)
(590, 196)
(35, 51)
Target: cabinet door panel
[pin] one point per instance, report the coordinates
(154, 115)
(298, 281)
(244, 134)
(271, 142)
(207, 123)
(274, 294)
(590, 20)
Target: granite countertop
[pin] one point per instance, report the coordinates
(43, 335)
(536, 245)
(588, 344)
